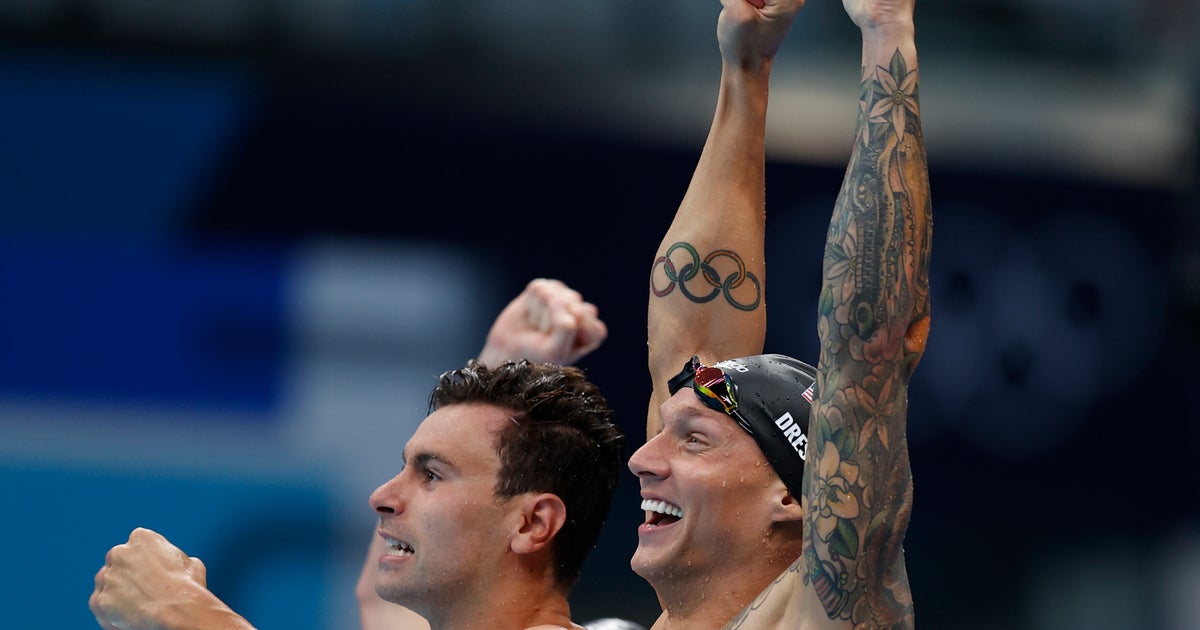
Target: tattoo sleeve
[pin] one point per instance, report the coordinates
(873, 316)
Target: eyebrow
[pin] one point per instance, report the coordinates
(689, 408)
(423, 459)
(688, 414)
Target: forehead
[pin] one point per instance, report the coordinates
(683, 413)
(464, 434)
(684, 410)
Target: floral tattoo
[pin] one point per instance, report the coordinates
(872, 315)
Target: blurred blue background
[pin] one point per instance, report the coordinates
(239, 240)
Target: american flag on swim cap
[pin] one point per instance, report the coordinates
(808, 393)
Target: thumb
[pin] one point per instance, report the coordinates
(197, 571)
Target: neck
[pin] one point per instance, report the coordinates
(708, 609)
(705, 601)
(508, 604)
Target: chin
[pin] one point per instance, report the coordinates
(396, 594)
(648, 566)
(639, 563)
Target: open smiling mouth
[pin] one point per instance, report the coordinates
(398, 547)
(660, 512)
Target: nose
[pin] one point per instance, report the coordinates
(647, 461)
(387, 499)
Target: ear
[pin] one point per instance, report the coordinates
(785, 506)
(543, 515)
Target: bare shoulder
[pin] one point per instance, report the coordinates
(787, 603)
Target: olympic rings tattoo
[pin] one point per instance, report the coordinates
(681, 277)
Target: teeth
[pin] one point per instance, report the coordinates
(661, 507)
(398, 547)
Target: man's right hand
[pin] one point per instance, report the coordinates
(750, 32)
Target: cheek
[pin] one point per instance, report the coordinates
(480, 525)
(744, 496)
(454, 518)
(739, 473)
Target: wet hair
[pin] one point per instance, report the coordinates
(562, 440)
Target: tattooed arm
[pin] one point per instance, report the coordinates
(873, 320)
(706, 291)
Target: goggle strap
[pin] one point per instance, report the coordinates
(685, 376)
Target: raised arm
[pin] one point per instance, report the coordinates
(706, 283)
(873, 320)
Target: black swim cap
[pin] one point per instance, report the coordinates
(770, 396)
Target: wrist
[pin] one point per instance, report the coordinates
(891, 29)
(210, 616)
(749, 69)
(881, 43)
(493, 353)
(746, 86)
